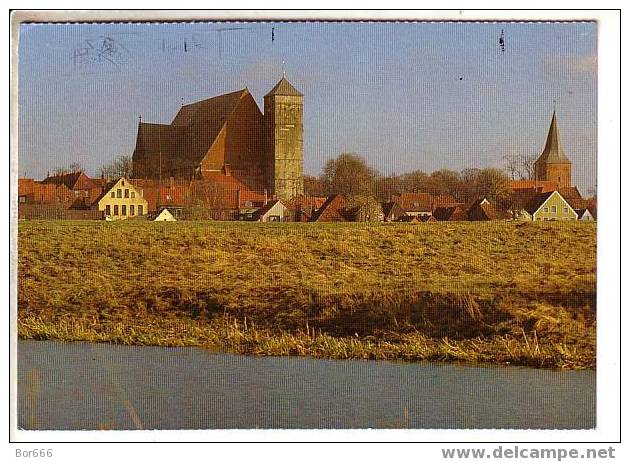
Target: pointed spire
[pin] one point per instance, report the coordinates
(553, 152)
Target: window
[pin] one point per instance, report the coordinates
(133, 195)
(119, 193)
(86, 193)
(140, 210)
(126, 194)
(113, 194)
(123, 182)
(115, 210)
(22, 199)
(132, 210)
(546, 209)
(554, 209)
(566, 210)
(124, 210)
(108, 210)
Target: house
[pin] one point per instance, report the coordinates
(120, 199)
(274, 211)
(483, 210)
(392, 211)
(584, 215)
(414, 204)
(303, 207)
(164, 215)
(420, 203)
(543, 207)
(427, 219)
(453, 213)
(334, 209)
(84, 188)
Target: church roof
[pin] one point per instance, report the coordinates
(553, 152)
(284, 88)
(214, 111)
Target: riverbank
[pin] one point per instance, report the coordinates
(509, 293)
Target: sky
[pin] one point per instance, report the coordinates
(405, 96)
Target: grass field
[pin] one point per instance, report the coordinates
(512, 293)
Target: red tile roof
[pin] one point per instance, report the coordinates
(334, 209)
(539, 185)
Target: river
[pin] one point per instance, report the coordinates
(73, 386)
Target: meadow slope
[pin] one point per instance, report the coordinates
(512, 293)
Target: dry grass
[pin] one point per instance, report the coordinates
(478, 292)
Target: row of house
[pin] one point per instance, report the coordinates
(76, 196)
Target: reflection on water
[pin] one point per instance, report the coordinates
(70, 386)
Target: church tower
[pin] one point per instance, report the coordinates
(284, 137)
(553, 164)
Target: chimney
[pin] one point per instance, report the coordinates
(171, 182)
(265, 197)
(227, 170)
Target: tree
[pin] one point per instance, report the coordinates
(443, 182)
(76, 167)
(120, 166)
(386, 186)
(415, 181)
(520, 167)
(313, 186)
(365, 208)
(349, 175)
(492, 183)
(71, 168)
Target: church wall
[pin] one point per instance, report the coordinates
(284, 125)
(560, 173)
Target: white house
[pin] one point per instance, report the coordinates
(164, 215)
(274, 211)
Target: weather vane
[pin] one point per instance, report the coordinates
(284, 72)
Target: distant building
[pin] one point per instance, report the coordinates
(543, 207)
(121, 200)
(228, 135)
(454, 213)
(164, 215)
(334, 209)
(84, 188)
(274, 211)
(393, 212)
(484, 210)
(584, 215)
(553, 164)
(421, 203)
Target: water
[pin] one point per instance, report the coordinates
(71, 386)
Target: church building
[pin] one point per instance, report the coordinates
(553, 164)
(228, 136)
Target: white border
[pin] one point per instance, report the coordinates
(608, 239)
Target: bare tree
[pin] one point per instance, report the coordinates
(120, 166)
(520, 167)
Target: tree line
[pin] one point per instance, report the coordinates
(350, 175)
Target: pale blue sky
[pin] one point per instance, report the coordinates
(404, 95)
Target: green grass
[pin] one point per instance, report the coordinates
(517, 293)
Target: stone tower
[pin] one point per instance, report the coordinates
(553, 164)
(284, 134)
